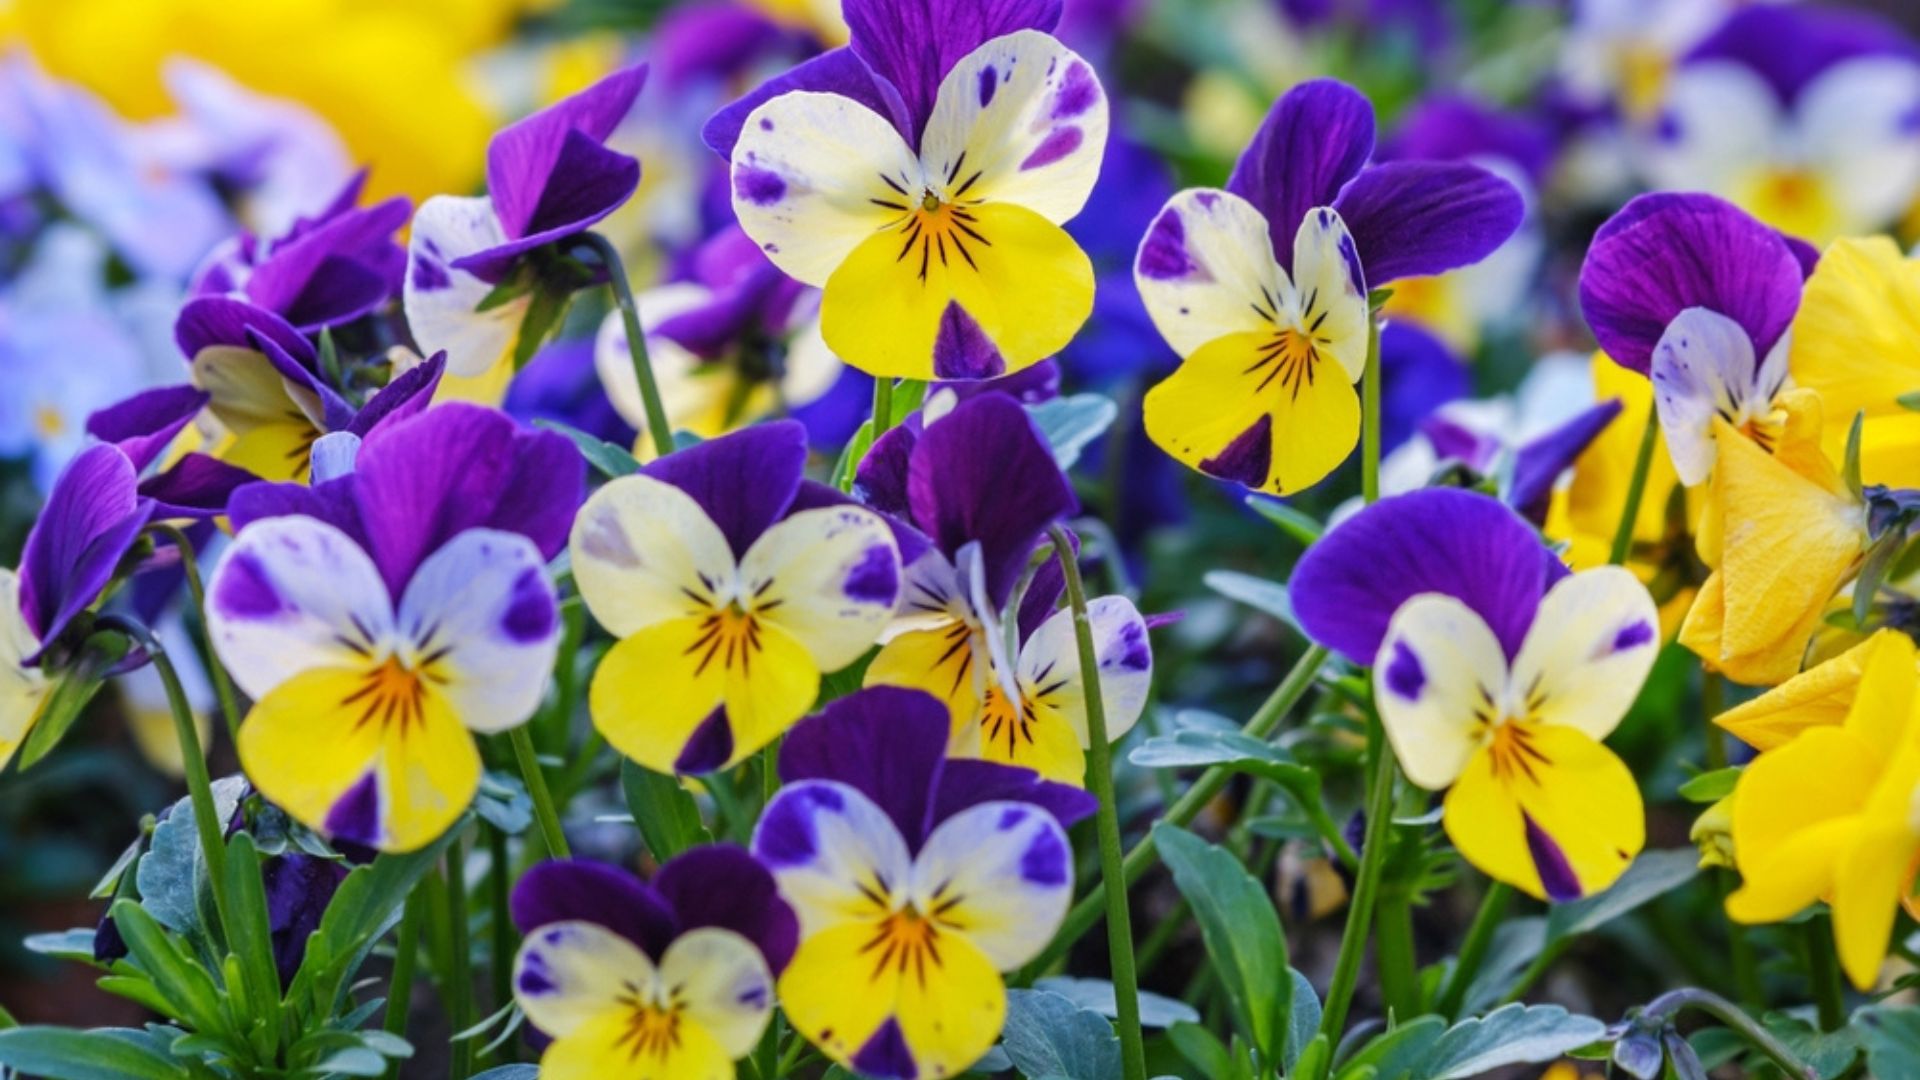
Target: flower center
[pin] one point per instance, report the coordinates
(730, 635)
(390, 694)
(1514, 754)
(652, 1030)
(935, 227)
(1292, 354)
(904, 941)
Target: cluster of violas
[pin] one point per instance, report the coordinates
(390, 593)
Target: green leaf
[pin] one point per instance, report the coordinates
(856, 449)
(1710, 787)
(252, 930)
(1047, 1035)
(1511, 1035)
(545, 313)
(606, 458)
(1829, 1053)
(1850, 465)
(1295, 523)
(1235, 749)
(510, 1072)
(1873, 570)
(354, 1061)
(1255, 592)
(1394, 1055)
(172, 877)
(908, 396)
(1202, 1049)
(73, 691)
(1303, 1023)
(177, 976)
(1891, 1037)
(103, 1054)
(1070, 423)
(668, 818)
(503, 802)
(1314, 1058)
(1242, 933)
(75, 944)
(1909, 401)
(367, 902)
(1653, 874)
(1156, 1010)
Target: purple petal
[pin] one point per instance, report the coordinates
(914, 43)
(528, 162)
(590, 182)
(1440, 540)
(1539, 463)
(196, 486)
(1314, 139)
(836, 72)
(335, 271)
(1664, 253)
(1791, 46)
(1418, 375)
(89, 522)
(1044, 591)
(745, 481)
(331, 502)
(404, 397)
(565, 890)
(143, 425)
(1454, 127)
(336, 414)
(983, 474)
(722, 885)
(298, 889)
(970, 783)
(223, 320)
(887, 741)
(1413, 218)
(880, 480)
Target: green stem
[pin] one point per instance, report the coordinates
(1746, 967)
(1353, 941)
(882, 405)
(406, 955)
(1370, 414)
(1712, 701)
(222, 682)
(1661, 1011)
(499, 901)
(1126, 985)
(1823, 971)
(1636, 490)
(543, 812)
(1260, 725)
(1473, 951)
(459, 988)
(657, 423)
(1393, 952)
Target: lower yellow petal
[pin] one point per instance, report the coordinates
(939, 661)
(1258, 411)
(1817, 697)
(1032, 735)
(606, 1047)
(829, 993)
(767, 697)
(652, 691)
(1867, 889)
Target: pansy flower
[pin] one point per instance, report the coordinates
(917, 880)
(986, 516)
(668, 978)
(1802, 115)
(88, 525)
(550, 178)
(920, 177)
(1496, 674)
(1829, 816)
(731, 586)
(1851, 344)
(1262, 288)
(1820, 696)
(380, 617)
(731, 342)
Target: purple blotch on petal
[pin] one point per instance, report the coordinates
(1556, 873)
(356, 817)
(530, 615)
(762, 187)
(989, 82)
(1045, 860)
(1635, 633)
(245, 592)
(1135, 653)
(709, 747)
(785, 836)
(1247, 459)
(1164, 255)
(875, 579)
(1078, 92)
(1010, 817)
(1405, 677)
(886, 1054)
(429, 276)
(1058, 144)
(534, 979)
(962, 350)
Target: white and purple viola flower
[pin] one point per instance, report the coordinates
(550, 178)
(672, 977)
(917, 880)
(1496, 675)
(381, 616)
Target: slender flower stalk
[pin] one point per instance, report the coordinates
(1636, 490)
(1370, 414)
(1353, 941)
(1126, 989)
(222, 682)
(1473, 951)
(1669, 1005)
(657, 423)
(406, 954)
(459, 973)
(882, 405)
(544, 813)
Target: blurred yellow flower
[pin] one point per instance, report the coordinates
(1853, 344)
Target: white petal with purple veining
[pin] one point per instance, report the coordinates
(569, 973)
(1590, 649)
(1050, 664)
(1001, 874)
(1206, 269)
(1328, 301)
(441, 300)
(830, 577)
(1704, 367)
(1440, 679)
(725, 984)
(833, 852)
(638, 545)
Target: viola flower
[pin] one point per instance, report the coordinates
(1828, 816)
(917, 880)
(731, 586)
(550, 178)
(734, 342)
(1820, 696)
(1496, 674)
(672, 977)
(381, 616)
(1618, 55)
(986, 519)
(1262, 288)
(1849, 345)
(920, 177)
(1801, 115)
(90, 521)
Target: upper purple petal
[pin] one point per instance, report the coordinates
(588, 182)
(143, 425)
(536, 171)
(1454, 127)
(335, 270)
(91, 519)
(722, 885)
(566, 890)
(887, 741)
(1314, 139)
(967, 783)
(983, 474)
(1413, 218)
(196, 486)
(1439, 540)
(880, 480)
(744, 480)
(836, 72)
(226, 320)
(1789, 45)
(406, 396)
(1664, 253)
(914, 43)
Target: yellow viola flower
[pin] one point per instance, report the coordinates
(1829, 816)
(1820, 696)
(1853, 345)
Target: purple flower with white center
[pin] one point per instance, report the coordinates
(945, 872)
(1496, 674)
(380, 616)
(550, 178)
(676, 974)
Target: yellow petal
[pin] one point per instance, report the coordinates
(1817, 697)
(1788, 806)
(1032, 735)
(1867, 890)
(605, 1047)
(648, 697)
(1853, 336)
(939, 661)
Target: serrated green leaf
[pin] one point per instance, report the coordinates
(1048, 1035)
(1070, 423)
(1156, 1010)
(1297, 524)
(1255, 592)
(1891, 1037)
(75, 944)
(353, 1061)
(1511, 1035)
(1206, 747)
(1653, 874)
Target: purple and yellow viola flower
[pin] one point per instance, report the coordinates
(732, 584)
(1829, 816)
(382, 616)
(920, 177)
(917, 880)
(550, 177)
(1262, 287)
(1497, 674)
(986, 518)
(671, 978)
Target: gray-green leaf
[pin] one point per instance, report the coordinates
(1047, 1035)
